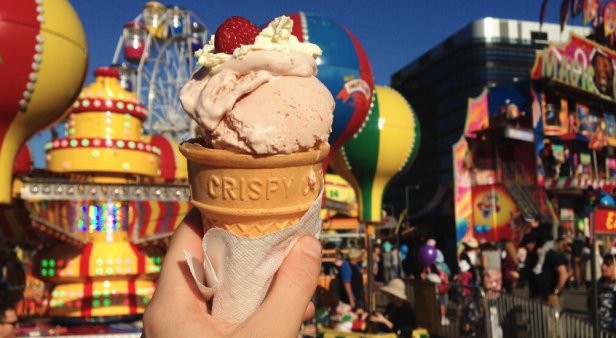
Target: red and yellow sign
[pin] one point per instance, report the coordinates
(605, 221)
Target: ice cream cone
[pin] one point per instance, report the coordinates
(251, 196)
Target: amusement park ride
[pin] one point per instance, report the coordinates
(158, 46)
(98, 218)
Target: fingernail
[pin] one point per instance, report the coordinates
(311, 246)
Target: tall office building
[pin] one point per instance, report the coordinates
(487, 52)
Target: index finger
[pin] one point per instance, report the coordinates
(175, 278)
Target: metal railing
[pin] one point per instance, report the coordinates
(519, 317)
(504, 316)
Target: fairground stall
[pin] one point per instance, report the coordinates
(540, 147)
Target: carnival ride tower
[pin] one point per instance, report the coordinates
(105, 146)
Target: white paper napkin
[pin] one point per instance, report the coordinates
(237, 271)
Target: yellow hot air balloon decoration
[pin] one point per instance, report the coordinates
(385, 145)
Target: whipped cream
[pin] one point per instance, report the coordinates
(275, 37)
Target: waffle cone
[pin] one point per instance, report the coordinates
(252, 196)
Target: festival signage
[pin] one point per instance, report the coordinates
(555, 117)
(605, 221)
(579, 63)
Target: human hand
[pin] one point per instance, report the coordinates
(178, 309)
(377, 317)
(553, 299)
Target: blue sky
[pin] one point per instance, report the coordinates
(393, 32)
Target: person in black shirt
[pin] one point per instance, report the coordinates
(399, 316)
(547, 283)
(351, 280)
(606, 293)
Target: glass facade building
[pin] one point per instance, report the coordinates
(485, 53)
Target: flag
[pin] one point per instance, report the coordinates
(609, 19)
(564, 13)
(544, 6)
(591, 7)
(576, 8)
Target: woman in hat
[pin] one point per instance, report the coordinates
(399, 315)
(470, 254)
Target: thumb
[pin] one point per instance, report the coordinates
(283, 309)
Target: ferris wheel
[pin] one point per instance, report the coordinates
(158, 59)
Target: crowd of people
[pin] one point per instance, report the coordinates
(342, 305)
(539, 265)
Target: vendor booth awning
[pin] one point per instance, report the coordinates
(351, 224)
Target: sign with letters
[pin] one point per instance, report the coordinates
(579, 63)
(605, 221)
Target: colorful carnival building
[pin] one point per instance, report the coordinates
(544, 146)
(110, 200)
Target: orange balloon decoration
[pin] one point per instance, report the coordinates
(42, 73)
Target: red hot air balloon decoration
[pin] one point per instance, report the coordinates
(344, 68)
(42, 72)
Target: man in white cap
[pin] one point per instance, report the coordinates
(399, 316)
(351, 277)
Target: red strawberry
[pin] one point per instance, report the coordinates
(233, 33)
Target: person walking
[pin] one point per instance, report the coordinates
(546, 282)
(443, 292)
(351, 277)
(388, 262)
(606, 294)
(377, 266)
(509, 266)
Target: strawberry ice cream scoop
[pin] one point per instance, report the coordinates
(284, 115)
(264, 99)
